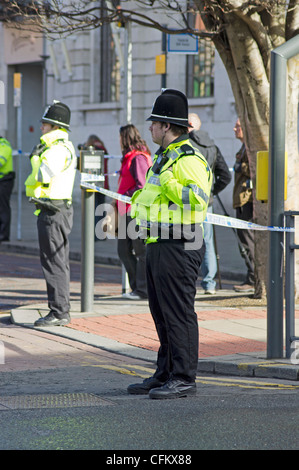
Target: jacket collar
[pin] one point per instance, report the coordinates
(53, 136)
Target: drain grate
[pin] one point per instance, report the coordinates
(61, 400)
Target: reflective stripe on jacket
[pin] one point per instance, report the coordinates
(53, 172)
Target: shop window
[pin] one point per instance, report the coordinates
(200, 67)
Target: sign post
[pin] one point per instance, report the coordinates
(18, 104)
(91, 163)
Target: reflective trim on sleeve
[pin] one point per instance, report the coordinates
(154, 180)
(199, 192)
(44, 174)
(185, 195)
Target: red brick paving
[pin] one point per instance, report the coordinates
(139, 330)
(21, 282)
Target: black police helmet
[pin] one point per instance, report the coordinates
(58, 114)
(171, 106)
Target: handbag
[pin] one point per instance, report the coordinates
(110, 221)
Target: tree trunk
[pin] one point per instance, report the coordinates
(244, 47)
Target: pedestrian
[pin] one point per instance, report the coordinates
(171, 208)
(7, 177)
(135, 162)
(221, 178)
(243, 203)
(50, 187)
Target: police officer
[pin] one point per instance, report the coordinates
(50, 187)
(7, 177)
(171, 209)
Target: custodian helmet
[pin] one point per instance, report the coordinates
(171, 106)
(58, 114)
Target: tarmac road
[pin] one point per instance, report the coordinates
(65, 395)
(57, 393)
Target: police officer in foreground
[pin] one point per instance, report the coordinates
(171, 209)
(50, 187)
(7, 177)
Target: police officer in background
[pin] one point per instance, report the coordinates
(7, 177)
(171, 209)
(50, 187)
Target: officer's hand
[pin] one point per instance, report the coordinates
(37, 150)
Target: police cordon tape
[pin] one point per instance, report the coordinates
(222, 220)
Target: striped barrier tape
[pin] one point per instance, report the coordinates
(215, 219)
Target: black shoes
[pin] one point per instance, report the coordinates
(51, 320)
(144, 387)
(156, 389)
(174, 388)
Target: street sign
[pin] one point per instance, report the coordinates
(182, 44)
(17, 84)
(161, 64)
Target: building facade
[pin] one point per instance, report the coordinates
(109, 77)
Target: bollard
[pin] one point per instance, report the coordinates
(87, 250)
(90, 165)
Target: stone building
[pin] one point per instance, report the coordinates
(109, 76)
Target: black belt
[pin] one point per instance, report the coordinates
(51, 204)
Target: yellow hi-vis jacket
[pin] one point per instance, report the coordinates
(177, 189)
(53, 171)
(6, 160)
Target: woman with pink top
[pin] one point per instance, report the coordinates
(131, 250)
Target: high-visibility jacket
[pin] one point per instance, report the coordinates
(177, 189)
(53, 171)
(6, 160)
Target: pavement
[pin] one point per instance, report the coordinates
(232, 326)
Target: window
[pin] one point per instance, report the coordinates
(200, 68)
(109, 64)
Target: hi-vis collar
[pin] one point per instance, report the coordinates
(172, 154)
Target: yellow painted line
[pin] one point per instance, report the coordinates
(121, 370)
(251, 382)
(262, 364)
(246, 384)
(223, 382)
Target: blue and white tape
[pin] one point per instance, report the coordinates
(215, 219)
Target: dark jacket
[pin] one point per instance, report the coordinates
(242, 192)
(215, 159)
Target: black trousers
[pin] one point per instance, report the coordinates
(172, 272)
(6, 187)
(131, 252)
(247, 238)
(53, 231)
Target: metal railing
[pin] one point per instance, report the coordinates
(290, 248)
